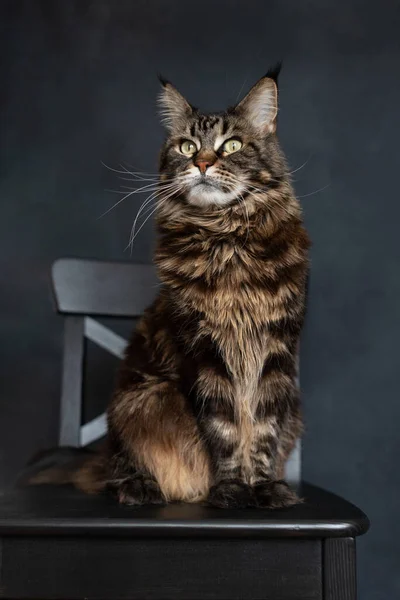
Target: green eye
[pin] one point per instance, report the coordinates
(232, 146)
(188, 148)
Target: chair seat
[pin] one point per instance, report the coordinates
(62, 510)
(60, 544)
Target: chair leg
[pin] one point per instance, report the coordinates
(339, 565)
(72, 381)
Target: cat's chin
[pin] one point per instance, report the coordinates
(208, 195)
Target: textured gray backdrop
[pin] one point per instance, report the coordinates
(78, 86)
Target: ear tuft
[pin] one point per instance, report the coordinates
(274, 72)
(162, 80)
(175, 109)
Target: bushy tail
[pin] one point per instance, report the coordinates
(84, 469)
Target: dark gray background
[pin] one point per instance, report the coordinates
(78, 87)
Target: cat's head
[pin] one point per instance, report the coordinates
(217, 159)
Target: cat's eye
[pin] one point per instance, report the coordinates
(188, 148)
(231, 146)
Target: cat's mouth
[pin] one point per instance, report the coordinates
(207, 191)
(205, 181)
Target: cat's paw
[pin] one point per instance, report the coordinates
(231, 493)
(275, 495)
(138, 491)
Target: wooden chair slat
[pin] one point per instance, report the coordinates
(92, 287)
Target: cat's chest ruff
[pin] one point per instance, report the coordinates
(242, 347)
(235, 287)
(239, 308)
(239, 340)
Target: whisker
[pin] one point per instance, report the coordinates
(115, 191)
(155, 176)
(301, 166)
(146, 188)
(126, 171)
(115, 205)
(144, 205)
(138, 173)
(148, 207)
(147, 201)
(162, 201)
(316, 191)
(137, 180)
(140, 228)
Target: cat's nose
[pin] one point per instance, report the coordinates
(203, 165)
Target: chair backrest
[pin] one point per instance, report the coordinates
(84, 289)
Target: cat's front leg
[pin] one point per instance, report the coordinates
(276, 430)
(218, 425)
(231, 488)
(210, 389)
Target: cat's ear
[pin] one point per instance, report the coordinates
(175, 109)
(260, 106)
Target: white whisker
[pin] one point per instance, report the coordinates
(146, 188)
(316, 191)
(143, 206)
(159, 203)
(146, 202)
(301, 167)
(128, 172)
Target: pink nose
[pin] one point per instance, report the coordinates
(203, 165)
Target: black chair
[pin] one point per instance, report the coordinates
(57, 543)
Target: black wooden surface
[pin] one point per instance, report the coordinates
(176, 569)
(93, 287)
(50, 510)
(339, 565)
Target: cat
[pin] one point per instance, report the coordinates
(206, 405)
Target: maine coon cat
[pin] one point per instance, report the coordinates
(207, 406)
